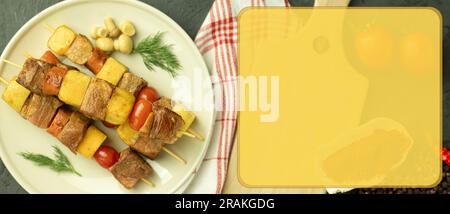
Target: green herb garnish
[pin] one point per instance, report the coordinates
(59, 164)
(157, 54)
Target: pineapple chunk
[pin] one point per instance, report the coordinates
(73, 88)
(119, 106)
(92, 140)
(112, 71)
(15, 95)
(127, 134)
(61, 40)
(188, 117)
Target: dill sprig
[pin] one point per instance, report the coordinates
(60, 164)
(155, 53)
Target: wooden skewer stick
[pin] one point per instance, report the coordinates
(174, 155)
(12, 63)
(49, 28)
(196, 134)
(27, 55)
(187, 134)
(4, 81)
(148, 182)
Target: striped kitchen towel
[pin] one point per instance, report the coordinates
(217, 42)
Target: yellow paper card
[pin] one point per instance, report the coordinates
(337, 97)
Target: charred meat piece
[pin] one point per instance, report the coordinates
(163, 102)
(96, 60)
(80, 50)
(148, 147)
(96, 99)
(52, 81)
(132, 83)
(130, 168)
(60, 120)
(73, 132)
(33, 73)
(40, 110)
(166, 123)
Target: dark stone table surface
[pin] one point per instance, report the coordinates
(189, 14)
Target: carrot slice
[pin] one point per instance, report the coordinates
(60, 120)
(49, 57)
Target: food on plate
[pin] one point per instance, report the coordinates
(15, 95)
(73, 88)
(119, 106)
(96, 99)
(132, 83)
(91, 142)
(59, 121)
(127, 28)
(93, 32)
(127, 134)
(102, 32)
(80, 50)
(113, 30)
(138, 116)
(112, 71)
(165, 125)
(149, 94)
(105, 44)
(32, 74)
(187, 116)
(106, 156)
(96, 60)
(40, 110)
(150, 148)
(49, 57)
(153, 50)
(73, 132)
(125, 44)
(130, 168)
(61, 39)
(71, 128)
(53, 80)
(58, 164)
(155, 53)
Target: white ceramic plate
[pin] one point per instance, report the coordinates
(18, 135)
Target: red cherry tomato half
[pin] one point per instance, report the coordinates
(106, 156)
(109, 125)
(139, 115)
(149, 94)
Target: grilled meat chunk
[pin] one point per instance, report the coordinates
(165, 124)
(33, 74)
(148, 147)
(73, 132)
(132, 83)
(80, 50)
(40, 110)
(96, 99)
(164, 102)
(130, 168)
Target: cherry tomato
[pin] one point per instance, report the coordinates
(49, 57)
(109, 125)
(106, 156)
(149, 94)
(140, 112)
(446, 156)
